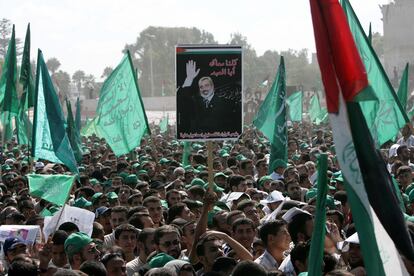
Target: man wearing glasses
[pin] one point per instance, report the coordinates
(79, 247)
(167, 240)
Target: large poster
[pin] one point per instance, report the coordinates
(209, 92)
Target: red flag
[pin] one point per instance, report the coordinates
(339, 61)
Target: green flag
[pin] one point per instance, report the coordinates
(271, 118)
(403, 89)
(317, 114)
(23, 125)
(6, 121)
(73, 135)
(186, 153)
(78, 118)
(90, 129)
(384, 116)
(295, 106)
(8, 94)
(121, 117)
(50, 140)
(164, 124)
(26, 77)
(54, 188)
(318, 235)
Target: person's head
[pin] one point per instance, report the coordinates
(403, 153)
(275, 235)
(404, 176)
(232, 216)
(13, 247)
(244, 231)
(79, 248)
(180, 267)
(118, 216)
(406, 131)
(209, 248)
(353, 250)
(103, 216)
(300, 227)
(93, 267)
(246, 167)
(180, 210)
(69, 227)
(146, 242)
(188, 230)
(59, 258)
(299, 256)
(248, 207)
(290, 173)
(114, 263)
(167, 240)
(237, 183)
(154, 207)
(293, 189)
(206, 86)
(173, 197)
(23, 265)
(224, 265)
(249, 268)
(141, 220)
(126, 237)
(219, 222)
(262, 167)
(98, 231)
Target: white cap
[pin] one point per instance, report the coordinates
(351, 239)
(274, 196)
(393, 150)
(293, 212)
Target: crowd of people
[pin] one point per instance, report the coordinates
(156, 213)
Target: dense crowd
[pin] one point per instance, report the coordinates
(156, 214)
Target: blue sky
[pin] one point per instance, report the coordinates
(90, 34)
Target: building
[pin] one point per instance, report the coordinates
(398, 37)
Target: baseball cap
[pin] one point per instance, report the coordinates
(273, 197)
(160, 260)
(101, 211)
(76, 242)
(11, 243)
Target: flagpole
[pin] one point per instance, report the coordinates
(210, 164)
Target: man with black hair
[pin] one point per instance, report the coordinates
(237, 183)
(299, 257)
(276, 240)
(22, 265)
(93, 267)
(146, 245)
(126, 238)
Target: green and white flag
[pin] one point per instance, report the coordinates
(90, 129)
(7, 129)
(186, 153)
(271, 118)
(78, 118)
(294, 102)
(121, 117)
(73, 135)
(8, 94)
(26, 76)
(164, 124)
(317, 114)
(385, 116)
(403, 89)
(50, 140)
(54, 188)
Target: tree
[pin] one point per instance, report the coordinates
(78, 77)
(90, 87)
(107, 71)
(62, 81)
(155, 44)
(53, 64)
(5, 33)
